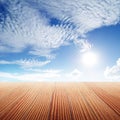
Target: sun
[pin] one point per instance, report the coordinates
(89, 59)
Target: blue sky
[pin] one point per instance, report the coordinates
(47, 40)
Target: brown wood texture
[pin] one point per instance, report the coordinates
(59, 101)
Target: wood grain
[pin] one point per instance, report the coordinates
(59, 101)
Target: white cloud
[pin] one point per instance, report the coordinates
(25, 26)
(87, 15)
(74, 75)
(83, 44)
(113, 73)
(37, 70)
(43, 52)
(51, 75)
(26, 23)
(26, 63)
(77, 75)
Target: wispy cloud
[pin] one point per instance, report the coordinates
(26, 63)
(45, 75)
(86, 15)
(50, 75)
(22, 26)
(113, 73)
(29, 23)
(56, 75)
(83, 44)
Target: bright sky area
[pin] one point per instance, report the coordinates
(66, 40)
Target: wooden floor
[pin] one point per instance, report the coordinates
(59, 101)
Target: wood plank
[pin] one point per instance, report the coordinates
(59, 101)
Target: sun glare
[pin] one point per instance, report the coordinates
(89, 59)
